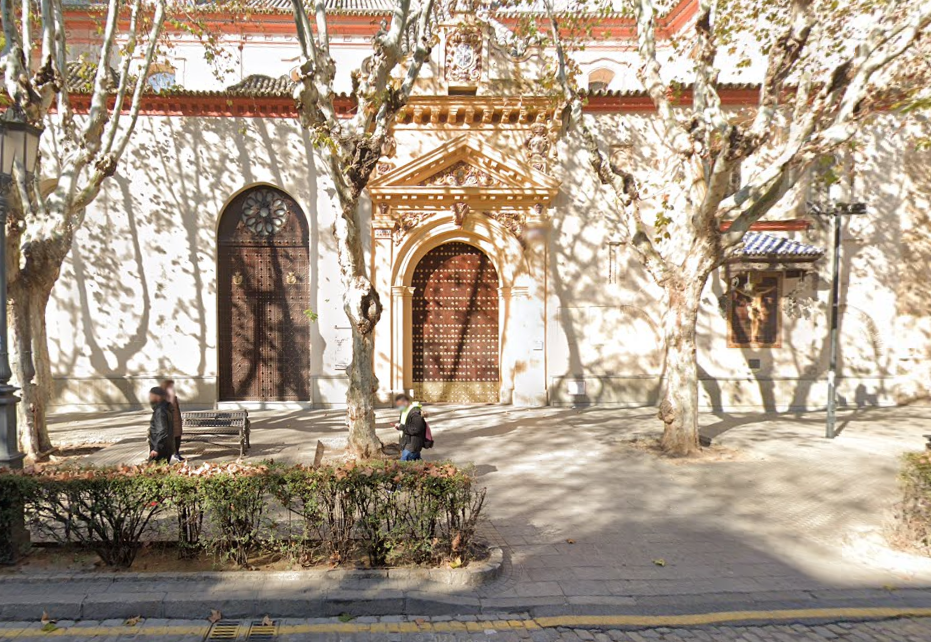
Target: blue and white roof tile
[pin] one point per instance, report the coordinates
(760, 245)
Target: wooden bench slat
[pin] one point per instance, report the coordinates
(202, 423)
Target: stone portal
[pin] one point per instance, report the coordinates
(264, 333)
(455, 326)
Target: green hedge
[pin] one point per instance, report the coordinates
(913, 513)
(390, 512)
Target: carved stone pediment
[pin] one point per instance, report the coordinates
(462, 174)
(464, 170)
(464, 177)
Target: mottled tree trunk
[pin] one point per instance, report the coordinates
(363, 308)
(29, 299)
(679, 407)
(363, 384)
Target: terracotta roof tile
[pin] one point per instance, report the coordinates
(81, 76)
(261, 85)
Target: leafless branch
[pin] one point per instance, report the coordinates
(651, 76)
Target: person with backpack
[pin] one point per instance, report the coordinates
(415, 433)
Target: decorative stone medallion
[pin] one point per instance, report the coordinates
(265, 212)
(464, 56)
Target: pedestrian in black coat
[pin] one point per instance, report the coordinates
(413, 427)
(161, 429)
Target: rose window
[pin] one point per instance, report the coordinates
(264, 212)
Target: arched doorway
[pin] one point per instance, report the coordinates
(264, 334)
(455, 326)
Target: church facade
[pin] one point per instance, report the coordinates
(209, 257)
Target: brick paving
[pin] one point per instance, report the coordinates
(400, 629)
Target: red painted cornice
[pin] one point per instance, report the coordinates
(789, 225)
(220, 104)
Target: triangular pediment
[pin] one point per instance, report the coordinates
(465, 164)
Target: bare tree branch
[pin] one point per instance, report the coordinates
(651, 76)
(706, 102)
(117, 138)
(97, 115)
(785, 53)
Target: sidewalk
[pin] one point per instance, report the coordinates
(592, 524)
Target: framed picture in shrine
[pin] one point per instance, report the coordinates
(754, 317)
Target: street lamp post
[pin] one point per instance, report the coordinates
(838, 210)
(19, 151)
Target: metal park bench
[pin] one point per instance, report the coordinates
(210, 425)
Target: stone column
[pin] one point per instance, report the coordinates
(402, 343)
(382, 265)
(506, 339)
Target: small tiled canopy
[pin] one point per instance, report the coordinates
(758, 245)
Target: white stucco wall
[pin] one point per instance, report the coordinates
(137, 298)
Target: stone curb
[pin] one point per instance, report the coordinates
(473, 574)
(242, 594)
(77, 603)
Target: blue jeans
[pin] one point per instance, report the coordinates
(407, 455)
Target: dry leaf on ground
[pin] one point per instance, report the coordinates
(215, 616)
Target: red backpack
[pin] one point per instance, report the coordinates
(427, 436)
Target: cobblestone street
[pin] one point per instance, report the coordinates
(400, 629)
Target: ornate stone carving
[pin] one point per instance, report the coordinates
(264, 212)
(512, 221)
(464, 56)
(406, 222)
(460, 174)
(383, 167)
(460, 211)
(538, 146)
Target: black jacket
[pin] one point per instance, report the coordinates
(413, 432)
(161, 431)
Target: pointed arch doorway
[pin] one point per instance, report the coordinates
(264, 335)
(455, 326)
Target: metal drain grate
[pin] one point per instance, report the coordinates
(260, 631)
(223, 630)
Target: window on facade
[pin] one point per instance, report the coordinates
(753, 310)
(161, 78)
(600, 79)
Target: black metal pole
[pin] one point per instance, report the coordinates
(15, 537)
(835, 303)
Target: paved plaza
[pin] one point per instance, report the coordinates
(591, 522)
